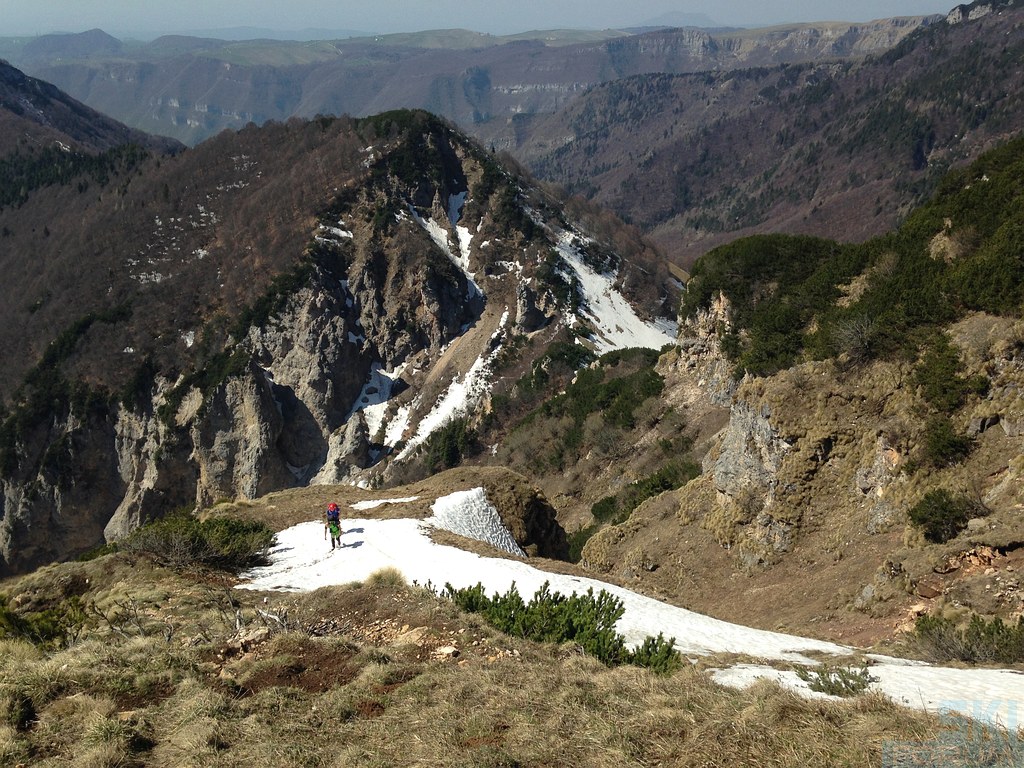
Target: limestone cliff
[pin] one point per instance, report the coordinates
(382, 329)
(800, 517)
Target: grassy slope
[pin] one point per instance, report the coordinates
(339, 687)
(857, 352)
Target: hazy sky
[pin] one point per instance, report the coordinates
(31, 17)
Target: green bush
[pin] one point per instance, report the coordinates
(613, 390)
(836, 681)
(980, 641)
(938, 375)
(587, 620)
(448, 444)
(657, 654)
(181, 542)
(617, 509)
(784, 290)
(579, 539)
(942, 515)
(51, 628)
(776, 285)
(605, 509)
(943, 446)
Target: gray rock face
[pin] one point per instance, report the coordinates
(750, 455)
(61, 505)
(235, 443)
(274, 425)
(701, 356)
(764, 539)
(315, 366)
(964, 13)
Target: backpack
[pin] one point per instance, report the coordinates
(333, 515)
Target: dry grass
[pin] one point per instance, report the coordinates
(336, 691)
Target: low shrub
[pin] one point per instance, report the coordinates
(605, 509)
(943, 446)
(835, 680)
(51, 628)
(938, 375)
(219, 542)
(617, 509)
(980, 641)
(550, 617)
(447, 445)
(578, 540)
(941, 515)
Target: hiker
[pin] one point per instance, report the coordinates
(333, 525)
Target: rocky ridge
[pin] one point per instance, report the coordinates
(381, 329)
(800, 516)
(191, 89)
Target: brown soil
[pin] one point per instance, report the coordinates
(315, 668)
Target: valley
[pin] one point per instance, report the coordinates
(727, 321)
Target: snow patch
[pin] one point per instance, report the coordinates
(615, 322)
(470, 514)
(440, 237)
(372, 401)
(461, 395)
(300, 562)
(397, 427)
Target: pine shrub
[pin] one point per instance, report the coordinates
(980, 641)
(941, 515)
(220, 542)
(836, 681)
(943, 445)
(579, 539)
(550, 617)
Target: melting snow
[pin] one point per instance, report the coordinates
(397, 426)
(336, 232)
(372, 401)
(461, 396)
(465, 241)
(616, 323)
(469, 513)
(440, 237)
(300, 561)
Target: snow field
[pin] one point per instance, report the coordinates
(301, 561)
(615, 322)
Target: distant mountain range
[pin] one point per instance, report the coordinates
(192, 88)
(548, 98)
(840, 149)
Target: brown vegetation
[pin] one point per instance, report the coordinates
(383, 675)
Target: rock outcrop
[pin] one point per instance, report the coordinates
(381, 331)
